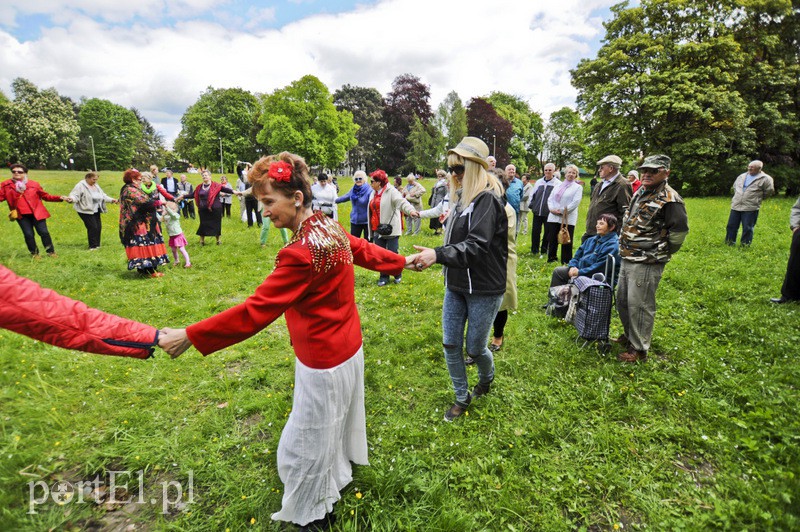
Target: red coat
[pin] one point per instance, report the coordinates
(27, 308)
(30, 201)
(313, 283)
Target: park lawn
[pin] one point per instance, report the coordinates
(705, 434)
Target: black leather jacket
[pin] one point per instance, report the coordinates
(476, 247)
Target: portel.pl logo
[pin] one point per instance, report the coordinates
(99, 491)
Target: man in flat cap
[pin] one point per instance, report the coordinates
(653, 229)
(611, 195)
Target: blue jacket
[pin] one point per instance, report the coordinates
(590, 257)
(359, 197)
(514, 194)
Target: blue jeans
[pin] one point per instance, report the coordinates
(477, 313)
(748, 221)
(391, 243)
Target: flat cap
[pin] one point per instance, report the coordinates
(610, 159)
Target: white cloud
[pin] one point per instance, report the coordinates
(472, 47)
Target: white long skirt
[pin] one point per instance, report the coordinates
(326, 430)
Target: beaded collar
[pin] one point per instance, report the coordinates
(325, 239)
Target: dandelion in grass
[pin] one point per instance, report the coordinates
(358, 495)
(252, 520)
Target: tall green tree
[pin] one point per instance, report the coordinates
(427, 148)
(219, 119)
(670, 78)
(409, 97)
(5, 136)
(486, 124)
(150, 149)
(114, 131)
(366, 105)
(528, 127)
(451, 120)
(301, 118)
(563, 138)
(42, 125)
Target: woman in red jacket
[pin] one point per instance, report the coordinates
(29, 309)
(313, 284)
(24, 199)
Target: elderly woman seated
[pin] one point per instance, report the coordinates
(591, 255)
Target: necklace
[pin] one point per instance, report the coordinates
(206, 187)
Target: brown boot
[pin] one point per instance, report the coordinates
(632, 356)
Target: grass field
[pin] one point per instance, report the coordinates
(704, 435)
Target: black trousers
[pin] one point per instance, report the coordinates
(791, 283)
(539, 234)
(94, 227)
(188, 209)
(28, 223)
(357, 230)
(226, 210)
(251, 206)
(500, 323)
(552, 243)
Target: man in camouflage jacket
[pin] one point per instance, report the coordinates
(653, 229)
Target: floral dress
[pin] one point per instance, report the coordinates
(139, 230)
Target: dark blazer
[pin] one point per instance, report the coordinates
(614, 199)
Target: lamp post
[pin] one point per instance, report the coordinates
(93, 157)
(494, 145)
(221, 167)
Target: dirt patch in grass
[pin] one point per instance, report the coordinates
(699, 469)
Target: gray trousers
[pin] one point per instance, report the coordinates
(636, 301)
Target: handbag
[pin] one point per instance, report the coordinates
(563, 233)
(386, 229)
(13, 215)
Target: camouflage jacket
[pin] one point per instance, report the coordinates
(654, 226)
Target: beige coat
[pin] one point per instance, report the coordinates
(82, 198)
(749, 199)
(510, 297)
(392, 202)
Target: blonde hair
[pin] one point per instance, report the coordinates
(475, 181)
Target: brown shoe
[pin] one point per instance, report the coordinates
(632, 356)
(621, 339)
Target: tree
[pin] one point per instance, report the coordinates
(42, 125)
(366, 105)
(671, 77)
(150, 149)
(114, 130)
(427, 148)
(563, 138)
(409, 97)
(451, 120)
(528, 127)
(301, 118)
(220, 118)
(484, 122)
(5, 136)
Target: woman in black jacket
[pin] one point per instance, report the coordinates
(474, 257)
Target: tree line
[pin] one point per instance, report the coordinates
(712, 83)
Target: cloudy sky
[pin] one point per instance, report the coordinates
(159, 55)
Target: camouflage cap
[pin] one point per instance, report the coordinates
(656, 161)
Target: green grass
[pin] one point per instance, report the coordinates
(705, 435)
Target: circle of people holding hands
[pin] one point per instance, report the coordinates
(637, 222)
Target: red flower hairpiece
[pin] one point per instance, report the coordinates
(280, 171)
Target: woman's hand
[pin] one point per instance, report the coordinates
(573, 272)
(173, 341)
(425, 258)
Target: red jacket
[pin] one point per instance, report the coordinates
(30, 201)
(313, 283)
(27, 308)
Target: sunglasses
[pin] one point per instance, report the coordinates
(17, 171)
(457, 169)
(651, 170)
(358, 179)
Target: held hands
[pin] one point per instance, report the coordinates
(414, 214)
(67, 199)
(173, 341)
(422, 260)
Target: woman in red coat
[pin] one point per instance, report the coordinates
(24, 199)
(29, 309)
(313, 285)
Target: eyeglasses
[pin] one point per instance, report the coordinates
(17, 171)
(651, 170)
(357, 179)
(374, 181)
(457, 169)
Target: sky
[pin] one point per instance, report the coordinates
(160, 55)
